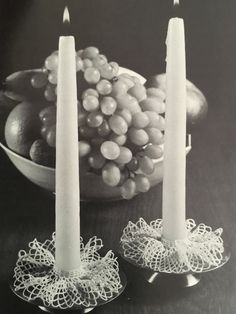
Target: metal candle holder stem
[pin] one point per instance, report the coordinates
(203, 250)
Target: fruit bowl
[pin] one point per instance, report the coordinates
(120, 121)
(92, 186)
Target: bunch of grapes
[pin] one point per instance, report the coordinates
(120, 122)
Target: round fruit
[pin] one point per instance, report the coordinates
(51, 136)
(84, 148)
(142, 183)
(125, 155)
(90, 103)
(110, 150)
(138, 136)
(128, 189)
(108, 105)
(22, 127)
(96, 160)
(118, 124)
(197, 106)
(92, 75)
(111, 174)
(42, 154)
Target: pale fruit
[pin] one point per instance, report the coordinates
(197, 106)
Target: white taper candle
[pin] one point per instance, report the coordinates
(67, 255)
(174, 177)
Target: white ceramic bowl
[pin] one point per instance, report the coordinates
(91, 185)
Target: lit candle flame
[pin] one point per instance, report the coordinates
(66, 15)
(176, 2)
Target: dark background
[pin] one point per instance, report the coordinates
(132, 32)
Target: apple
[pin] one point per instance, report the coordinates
(197, 106)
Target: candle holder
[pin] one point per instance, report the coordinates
(179, 262)
(37, 281)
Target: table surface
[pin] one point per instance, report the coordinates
(133, 33)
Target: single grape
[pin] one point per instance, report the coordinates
(125, 155)
(154, 119)
(118, 139)
(51, 136)
(146, 165)
(52, 77)
(94, 119)
(84, 148)
(108, 105)
(118, 124)
(129, 102)
(49, 93)
(39, 80)
(128, 189)
(79, 63)
(90, 103)
(82, 117)
(110, 150)
(51, 62)
(104, 129)
(138, 136)
(44, 131)
(92, 75)
(87, 132)
(115, 67)
(126, 79)
(142, 183)
(153, 151)
(125, 114)
(138, 91)
(106, 71)
(104, 87)
(156, 92)
(90, 92)
(90, 53)
(48, 115)
(111, 174)
(80, 52)
(155, 135)
(119, 88)
(87, 63)
(96, 160)
(99, 61)
(133, 165)
(153, 104)
(140, 120)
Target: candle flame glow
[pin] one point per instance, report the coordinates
(176, 2)
(66, 15)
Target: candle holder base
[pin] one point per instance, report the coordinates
(37, 281)
(172, 280)
(179, 263)
(75, 308)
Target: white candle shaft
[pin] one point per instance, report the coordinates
(67, 161)
(174, 177)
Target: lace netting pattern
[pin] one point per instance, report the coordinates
(37, 278)
(143, 245)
